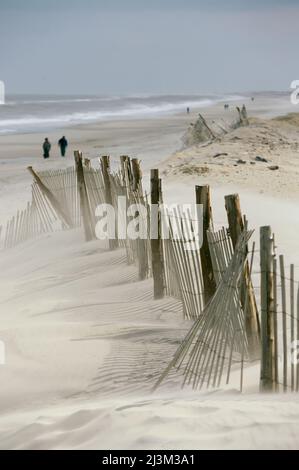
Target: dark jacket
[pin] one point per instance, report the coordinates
(46, 148)
(63, 142)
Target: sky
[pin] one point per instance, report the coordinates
(148, 46)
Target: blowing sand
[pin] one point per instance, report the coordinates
(84, 339)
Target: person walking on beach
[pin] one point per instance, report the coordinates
(46, 148)
(63, 143)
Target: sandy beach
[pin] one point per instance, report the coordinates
(157, 142)
(85, 341)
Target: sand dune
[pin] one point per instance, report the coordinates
(263, 157)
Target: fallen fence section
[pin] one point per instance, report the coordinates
(218, 337)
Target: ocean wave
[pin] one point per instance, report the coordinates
(101, 115)
(37, 101)
(125, 110)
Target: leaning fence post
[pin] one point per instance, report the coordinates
(268, 358)
(105, 166)
(156, 241)
(84, 202)
(203, 197)
(236, 226)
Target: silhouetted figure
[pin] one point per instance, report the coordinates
(63, 143)
(188, 110)
(46, 148)
(226, 106)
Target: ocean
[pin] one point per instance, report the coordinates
(27, 114)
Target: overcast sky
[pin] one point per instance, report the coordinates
(158, 46)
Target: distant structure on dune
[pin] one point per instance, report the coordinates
(2, 93)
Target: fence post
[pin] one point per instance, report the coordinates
(123, 159)
(268, 359)
(52, 199)
(297, 338)
(236, 226)
(292, 320)
(284, 323)
(137, 176)
(141, 244)
(87, 163)
(234, 215)
(84, 202)
(203, 197)
(156, 242)
(126, 171)
(105, 166)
